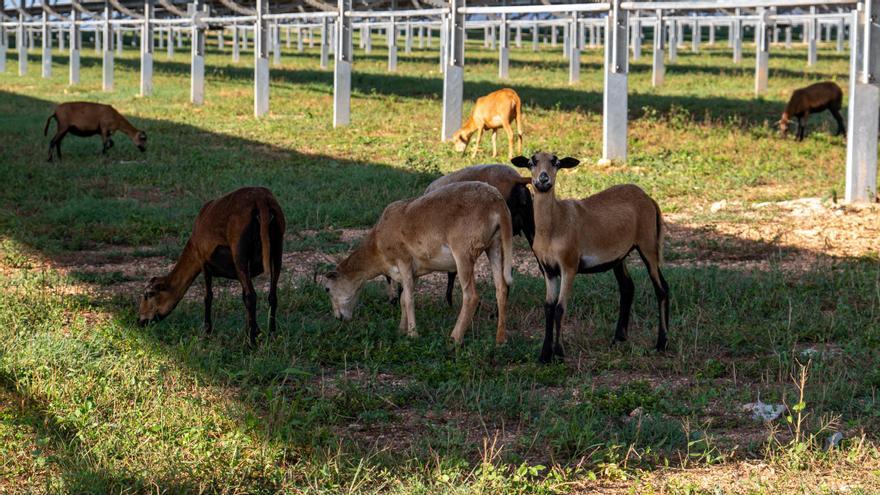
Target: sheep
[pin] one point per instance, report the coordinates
(238, 236)
(592, 235)
(512, 187)
(86, 119)
(814, 98)
(497, 109)
(444, 230)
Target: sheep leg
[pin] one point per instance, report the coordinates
(519, 133)
(248, 295)
(477, 143)
(55, 143)
(450, 283)
(275, 274)
(394, 290)
(551, 281)
(802, 126)
(465, 268)
(841, 129)
(627, 290)
(564, 292)
(509, 131)
(494, 143)
(661, 291)
(407, 307)
(209, 299)
(496, 260)
(106, 142)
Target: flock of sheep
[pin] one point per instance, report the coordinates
(460, 216)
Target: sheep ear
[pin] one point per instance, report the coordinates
(520, 161)
(567, 162)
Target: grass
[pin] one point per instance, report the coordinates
(89, 402)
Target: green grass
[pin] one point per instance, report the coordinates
(89, 402)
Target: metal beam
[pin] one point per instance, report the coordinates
(614, 101)
(864, 105)
(342, 67)
(107, 50)
(147, 50)
(453, 75)
(261, 60)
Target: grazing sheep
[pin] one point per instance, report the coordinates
(814, 98)
(444, 230)
(512, 187)
(497, 109)
(238, 236)
(592, 235)
(85, 119)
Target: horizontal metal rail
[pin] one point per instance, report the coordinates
(299, 15)
(396, 13)
(730, 4)
(538, 9)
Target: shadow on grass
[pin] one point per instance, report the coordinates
(79, 472)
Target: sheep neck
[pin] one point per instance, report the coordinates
(545, 205)
(363, 263)
(185, 271)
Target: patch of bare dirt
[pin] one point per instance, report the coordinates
(794, 234)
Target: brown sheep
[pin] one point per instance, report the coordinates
(814, 98)
(592, 235)
(84, 119)
(238, 236)
(444, 230)
(512, 187)
(495, 110)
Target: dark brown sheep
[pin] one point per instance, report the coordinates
(511, 185)
(237, 236)
(85, 119)
(814, 98)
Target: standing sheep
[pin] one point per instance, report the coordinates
(593, 235)
(238, 236)
(814, 98)
(445, 230)
(512, 187)
(495, 110)
(85, 119)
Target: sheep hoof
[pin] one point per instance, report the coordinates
(662, 346)
(550, 357)
(557, 351)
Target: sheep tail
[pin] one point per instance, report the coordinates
(265, 218)
(46, 129)
(506, 226)
(661, 231)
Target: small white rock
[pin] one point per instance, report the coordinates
(718, 205)
(764, 412)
